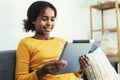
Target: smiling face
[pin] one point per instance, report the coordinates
(45, 22)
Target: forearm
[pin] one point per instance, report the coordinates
(23, 76)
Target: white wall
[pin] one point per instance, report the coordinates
(72, 21)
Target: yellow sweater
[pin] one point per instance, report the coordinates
(33, 54)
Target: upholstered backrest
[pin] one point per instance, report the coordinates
(7, 64)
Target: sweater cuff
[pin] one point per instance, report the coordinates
(80, 73)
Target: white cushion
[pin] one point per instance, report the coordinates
(100, 68)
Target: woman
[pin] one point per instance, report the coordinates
(37, 56)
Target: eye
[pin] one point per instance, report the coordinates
(53, 19)
(44, 18)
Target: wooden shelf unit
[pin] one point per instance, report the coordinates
(102, 7)
(106, 5)
(108, 29)
(112, 55)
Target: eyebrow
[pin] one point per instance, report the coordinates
(46, 16)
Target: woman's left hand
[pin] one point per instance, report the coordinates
(84, 61)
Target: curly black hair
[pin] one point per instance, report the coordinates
(34, 11)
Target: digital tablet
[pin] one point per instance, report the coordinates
(71, 53)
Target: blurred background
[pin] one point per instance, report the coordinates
(72, 22)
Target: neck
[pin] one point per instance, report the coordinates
(42, 37)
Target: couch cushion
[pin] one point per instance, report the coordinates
(100, 68)
(7, 64)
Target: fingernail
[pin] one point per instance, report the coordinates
(64, 61)
(81, 58)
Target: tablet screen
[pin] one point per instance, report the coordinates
(71, 53)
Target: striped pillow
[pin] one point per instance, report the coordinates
(100, 68)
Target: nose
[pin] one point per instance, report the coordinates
(49, 22)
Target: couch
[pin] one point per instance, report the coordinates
(7, 64)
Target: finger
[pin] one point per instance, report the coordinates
(63, 62)
(60, 67)
(58, 63)
(83, 62)
(51, 68)
(52, 71)
(86, 57)
(87, 61)
(51, 62)
(55, 65)
(48, 66)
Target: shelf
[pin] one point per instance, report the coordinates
(112, 55)
(106, 5)
(102, 7)
(108, 29)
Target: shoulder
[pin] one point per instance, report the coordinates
(60, 39)
(24, 40)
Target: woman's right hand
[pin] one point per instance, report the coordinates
(54, 66)
(51, 67)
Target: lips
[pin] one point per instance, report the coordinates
(47, 29)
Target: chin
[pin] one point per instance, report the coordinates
(47, 33)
